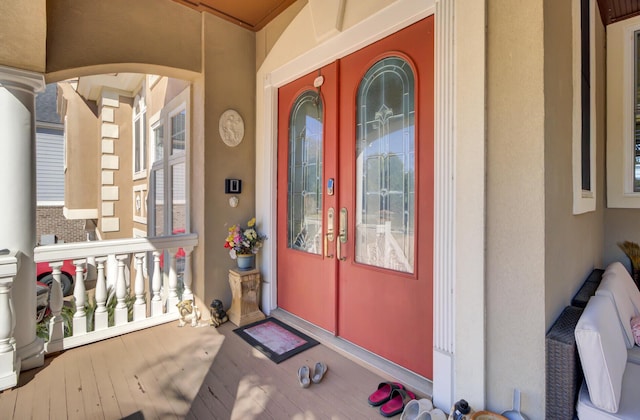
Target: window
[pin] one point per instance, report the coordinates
(385, 166)
(139, 138)
(636, 112)
(623, 114)
(584, 118)
(168, 198)
(305, 174)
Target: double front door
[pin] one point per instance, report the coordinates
(355, 197)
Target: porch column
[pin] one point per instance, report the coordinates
(459, 249)
(18, 192)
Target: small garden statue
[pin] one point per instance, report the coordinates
(189, 312)
(218, 314)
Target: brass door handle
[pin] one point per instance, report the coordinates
(342, 233)
(339, 251)
(328, 237)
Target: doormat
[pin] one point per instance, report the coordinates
(274, 339)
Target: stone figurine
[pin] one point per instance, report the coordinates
(218, 314)
(189, 312)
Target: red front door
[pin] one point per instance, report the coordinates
(355, 227)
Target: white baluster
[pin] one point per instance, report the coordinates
(6, 315)
(79, 295)
(186, 276)
(139, 307)
(121, 313)
(156, 283)
(9, 364)
(101, 316)
(172, 299)
(56, 323)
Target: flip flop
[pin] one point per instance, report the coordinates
(414, 408)
(395, 405)
(435, 414)
(383, 393)
(318, 372)
(303, 376)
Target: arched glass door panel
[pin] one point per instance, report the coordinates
(385, 166)
(304, 197)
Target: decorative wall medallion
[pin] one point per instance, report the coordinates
(231, 128)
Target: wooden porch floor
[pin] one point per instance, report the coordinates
(194, 373)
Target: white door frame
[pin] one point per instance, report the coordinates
(453, 182)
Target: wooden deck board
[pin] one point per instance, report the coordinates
(73, 389)
(195, 373)
(105, 386)
(56, 386)
(8, 403)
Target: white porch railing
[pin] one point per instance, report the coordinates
(156, 294)
(9, 363)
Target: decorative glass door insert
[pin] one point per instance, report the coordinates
(304, 199)
(385, 166)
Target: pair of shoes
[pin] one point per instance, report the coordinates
(305, 378)
(383, 394)
(422, 409)
(397, 402)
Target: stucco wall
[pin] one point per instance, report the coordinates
(81, 179)
(269, 35)
(23, 35)
(573, 243)
(620, 225)
(122, 178)
(149, 32)
(515, 205)
(229, 82)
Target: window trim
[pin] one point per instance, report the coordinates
(583, 200)
(139, 114)
(620, 114)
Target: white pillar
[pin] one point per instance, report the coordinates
(459, 207)
(444, 232)
(17, 189)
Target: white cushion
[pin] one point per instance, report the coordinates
(602, 352)
(620, 271)
(629, 402)
(613, 287)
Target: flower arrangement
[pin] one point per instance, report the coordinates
(244, 240)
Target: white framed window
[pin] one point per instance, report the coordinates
(139, 130)
(584, 107)
(623, 114)
(168, 210)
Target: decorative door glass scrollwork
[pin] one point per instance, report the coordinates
(385, 166)
(304, 219)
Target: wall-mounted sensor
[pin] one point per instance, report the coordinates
(232, 186)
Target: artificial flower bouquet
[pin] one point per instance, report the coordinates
(241, 240)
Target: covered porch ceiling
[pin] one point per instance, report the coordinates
(254, 15)
(616, 10)
(250, 14)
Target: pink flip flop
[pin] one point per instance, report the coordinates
(395, 405)
(383, 393)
